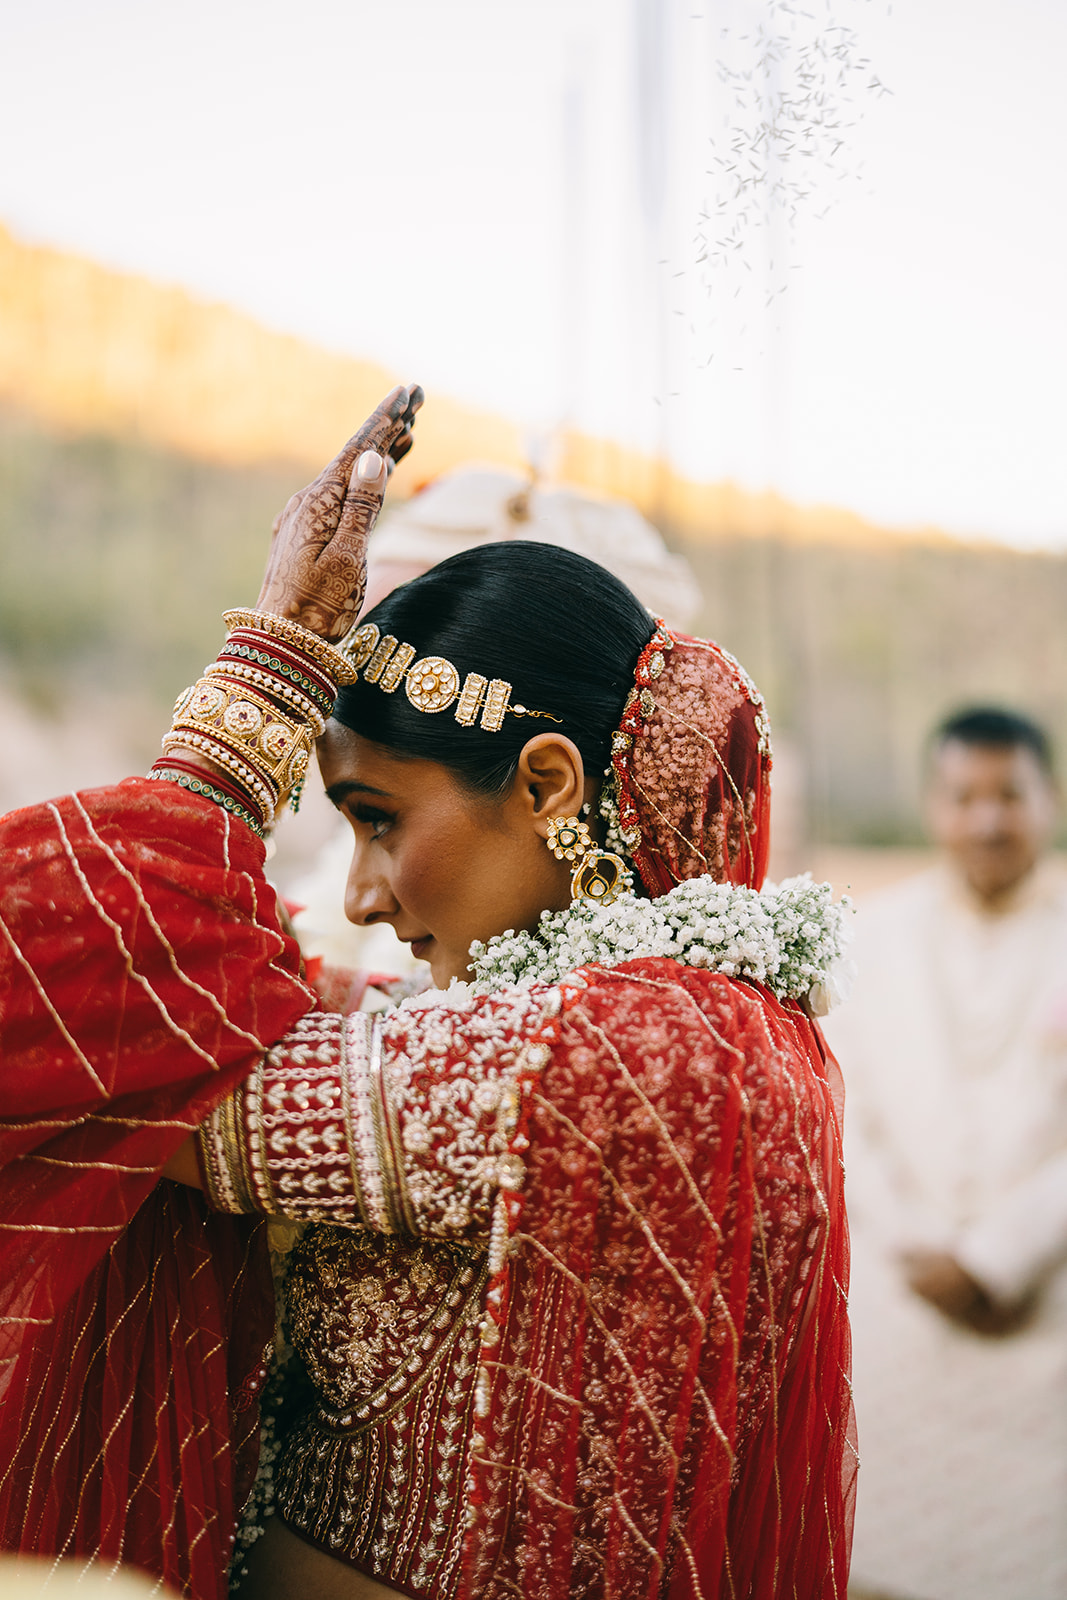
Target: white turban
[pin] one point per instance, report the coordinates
(474, 505)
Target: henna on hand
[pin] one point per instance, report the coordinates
(316, 572)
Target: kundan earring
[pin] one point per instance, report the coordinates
(568, 838)
(599, 875)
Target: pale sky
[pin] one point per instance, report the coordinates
(506, 199)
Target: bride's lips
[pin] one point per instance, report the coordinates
(420, 948)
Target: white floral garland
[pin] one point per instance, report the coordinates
(790, 936)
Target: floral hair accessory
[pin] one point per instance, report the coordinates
(431, 683)
(688, 788)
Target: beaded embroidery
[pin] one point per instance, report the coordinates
(388, 1331)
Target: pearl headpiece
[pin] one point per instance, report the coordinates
(431, 683)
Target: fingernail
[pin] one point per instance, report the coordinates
(369, 467)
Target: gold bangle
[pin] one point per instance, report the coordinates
(276, 687)
(215, 750)
(249, 724)
(203, 786)
(319, 650)
(222, 1162)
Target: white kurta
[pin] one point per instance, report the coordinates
(954, 1052)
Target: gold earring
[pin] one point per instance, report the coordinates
(568, 838)
(601, 876)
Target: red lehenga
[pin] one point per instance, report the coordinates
(578, 1251)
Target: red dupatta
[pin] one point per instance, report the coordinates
(142, 971)
(666, 1399)
(667, 1408)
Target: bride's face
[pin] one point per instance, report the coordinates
(441, 865)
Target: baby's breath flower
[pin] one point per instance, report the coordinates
(789, 936)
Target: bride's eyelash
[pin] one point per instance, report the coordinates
(370, 815)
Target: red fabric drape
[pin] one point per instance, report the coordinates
(692, 763)
(669, 1411)
(683, 1154)
(142, 970)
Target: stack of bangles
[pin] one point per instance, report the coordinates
(254, 715)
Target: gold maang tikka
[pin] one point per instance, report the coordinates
(431, 683)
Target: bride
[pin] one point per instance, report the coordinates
(567, 1307)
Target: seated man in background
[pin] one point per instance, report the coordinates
(954, 1050)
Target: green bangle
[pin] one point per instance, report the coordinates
(209, 792)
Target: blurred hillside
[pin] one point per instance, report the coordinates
(89, 350)
(148, 440)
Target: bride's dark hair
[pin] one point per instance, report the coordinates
(562, 631)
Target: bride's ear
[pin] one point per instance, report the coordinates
(550, 780)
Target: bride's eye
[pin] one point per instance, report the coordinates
(377, 821)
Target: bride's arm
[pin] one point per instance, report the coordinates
(411, 1123)
(316, 576)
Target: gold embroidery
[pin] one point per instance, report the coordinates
(228, 1182)
(374, 1468)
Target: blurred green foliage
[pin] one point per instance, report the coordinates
(117, 559)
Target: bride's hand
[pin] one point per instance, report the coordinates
(316, 573)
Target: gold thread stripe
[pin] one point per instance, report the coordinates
(620, 1192)
(532, 1379)
(31, 1424)
(513, 1466)
(690, 1559)
(709, 1409)
(116, 928)
(183, 977)
(138, 1122)
(609, 1338)
(86, 1166)
(41, 1227)
(59, 1122)
(53, 1013)
(76, 1423)
(649, 1548)
(632, 1083)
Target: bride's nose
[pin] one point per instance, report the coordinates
(368, 897)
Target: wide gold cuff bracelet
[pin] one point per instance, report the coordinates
(250, 725)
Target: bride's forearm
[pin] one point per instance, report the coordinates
(409, 1124)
